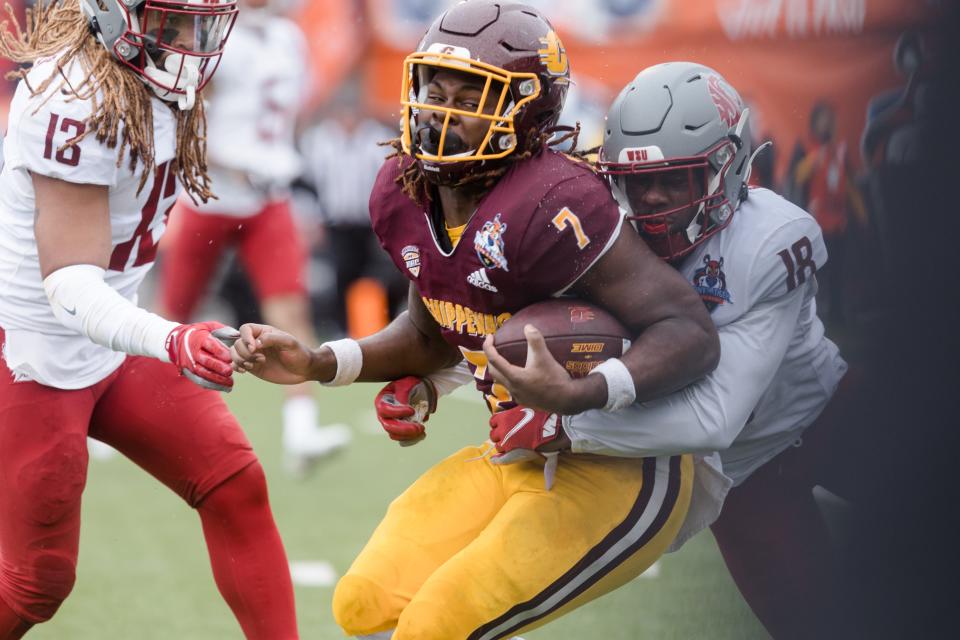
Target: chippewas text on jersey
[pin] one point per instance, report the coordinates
(455, 317)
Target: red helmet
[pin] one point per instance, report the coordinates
(519, 61)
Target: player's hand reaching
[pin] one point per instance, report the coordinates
(201, 352)
(271, 354)
(542, 383)
(403, 406)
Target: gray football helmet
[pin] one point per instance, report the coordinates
(683, 122)
(173, 45)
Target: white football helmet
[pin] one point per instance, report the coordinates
(173, 45)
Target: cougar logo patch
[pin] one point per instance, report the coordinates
(711, 283)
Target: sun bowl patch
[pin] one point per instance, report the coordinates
(411, 258)
(488, 243)
(711, 283)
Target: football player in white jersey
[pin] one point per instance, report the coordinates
(105, 124)
(252, 110)
(677, 152)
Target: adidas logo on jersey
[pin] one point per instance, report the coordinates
(479, 279)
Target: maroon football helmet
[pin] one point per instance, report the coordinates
(519, 61)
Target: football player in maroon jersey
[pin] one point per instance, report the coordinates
(484, 219)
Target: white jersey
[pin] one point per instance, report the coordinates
(774, 251)
(38, 347)
(777, 370)
(252, 109)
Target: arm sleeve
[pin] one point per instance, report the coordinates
(706, 416)
(83, 302)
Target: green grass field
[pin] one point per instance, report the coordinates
(144, 574)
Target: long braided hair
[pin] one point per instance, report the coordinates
(415, 185)
(122, 112)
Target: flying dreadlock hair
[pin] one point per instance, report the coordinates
(414, 181)
(117, 94)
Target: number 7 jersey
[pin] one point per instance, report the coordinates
(37, 346)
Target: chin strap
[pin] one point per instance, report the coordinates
(181, 73)
(692, 231)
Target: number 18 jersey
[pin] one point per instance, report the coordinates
(37, 346)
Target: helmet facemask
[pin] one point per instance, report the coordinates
(678, 116)
(175, 46)
(693, 185)
(519, 68)
(427, 135)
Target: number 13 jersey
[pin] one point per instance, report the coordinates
(37, 347)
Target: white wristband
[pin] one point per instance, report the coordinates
(620, 390)
(349, 361)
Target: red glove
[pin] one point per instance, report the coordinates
(519, 432)
(403, 406)
(200, 351)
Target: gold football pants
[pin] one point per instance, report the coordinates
(478, 551)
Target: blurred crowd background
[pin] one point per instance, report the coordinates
(837, 85)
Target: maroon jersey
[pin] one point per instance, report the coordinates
(547, 220)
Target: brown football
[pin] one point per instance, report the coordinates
(580, 335)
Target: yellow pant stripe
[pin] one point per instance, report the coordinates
(662, 479)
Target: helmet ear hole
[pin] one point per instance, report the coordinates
(507, 141)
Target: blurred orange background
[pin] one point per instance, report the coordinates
(783, 55)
